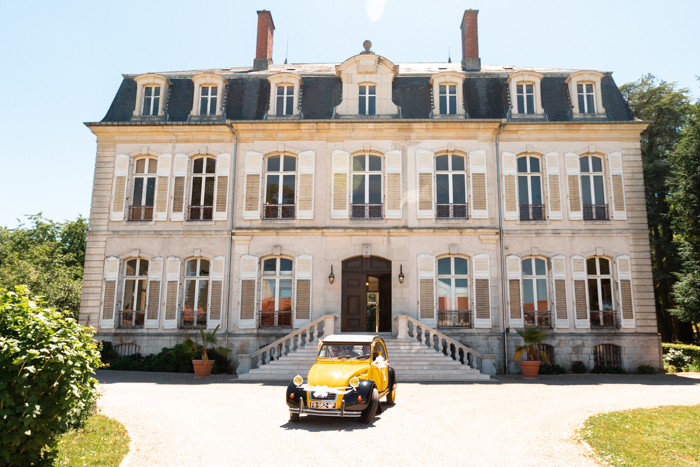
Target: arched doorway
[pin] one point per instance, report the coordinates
(366, 289)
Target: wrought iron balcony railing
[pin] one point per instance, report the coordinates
(140, 213)
(275, 318)
(595, 212)
(367, 211)
(193, 319)
(451, 211)
(131, 319)
(279, 211)
(532, 212)
(454, 318)
(607, 319)
(200, 213)
(538, 319)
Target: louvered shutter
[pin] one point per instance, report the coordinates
(216, 296)
(305, 188)
(619, 211)
(578, 271)
(172, 292)
(482, 291)
(121, 173)
(223, 169)
(573, 179)
(339, 196)
(109, 294)
(477, 177)
(160, 210)
(624, 286)
(247, 301)
(510, 188)
(426, 179)
(559, 297)
(179, 182)
(155, 277)
(253, 180)
(515, 291)
(393, 184)
(302, 287)
(553, 186)
(426, 289)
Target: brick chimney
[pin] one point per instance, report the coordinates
(470, 41)
(263, 49)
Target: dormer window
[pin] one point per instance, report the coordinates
(285, 90)
(448, 99)
(285, 100)
(208, 96)
(208, 100)
(526, 98)
(367, 86)
(447, 94)
(151, 101)
(151, 91)
(586, 98)
(525, 95)
(585, 93)
(368, 100)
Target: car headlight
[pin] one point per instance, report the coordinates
(298, 380)
(354, 382)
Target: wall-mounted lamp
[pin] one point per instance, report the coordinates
(331, 276)
(401, 276)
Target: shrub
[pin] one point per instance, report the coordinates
(546, 369)
(681, 357)
(177, 359)
(646, 370)
(579, 368)
(107, 352)
(606, 369)
(46, 383)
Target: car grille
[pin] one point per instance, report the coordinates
(329, 397)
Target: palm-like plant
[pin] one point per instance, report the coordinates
(209, 342)
(532, 338)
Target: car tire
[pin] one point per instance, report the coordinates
(391, 395)
(293, 417)
(371, 410)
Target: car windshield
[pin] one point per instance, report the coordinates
(345, 351)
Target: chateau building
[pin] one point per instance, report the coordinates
(474, 199)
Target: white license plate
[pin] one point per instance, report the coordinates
(322, 405)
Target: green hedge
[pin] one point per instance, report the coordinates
(681, 357)
(173, 360)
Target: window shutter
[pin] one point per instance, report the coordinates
(253, 178)
(624, 286)
(426, 289)
(216, 294)
(572, 175)
(155, 276)
(109, 294)
(510, 189)
(618, 186)
(172, 292)
(554, 191)
(578, 271)
(477, 177)
(560, 298)
(180, 176)
(248, 292)
(515, 291)
(426, 179)
(482, 291)
(339, 198)
(305, 189)
(393, 184)
(302, 286)
(160, 211)
(121, 172)
(223, 166)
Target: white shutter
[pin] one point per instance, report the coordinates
(510, 187)
(216, 296)
(172, 292)
(305, 185)
(160, 210)
(223, 169)
(624, 287)
(477, 179)
(121, 173)
(482, 291)
(426, 289)
(553, 186)
(393, 196)
(253, 180)
(578, 272)
(574, 184)
(426, 179)
(339, 184)
(515, 287)
(109, 294)
(560, 312)
(617, 184)
(179, 183)
(303, 290)
(155, 279)
(248, 288)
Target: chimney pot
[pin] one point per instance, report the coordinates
(263, 49)
(470, 41)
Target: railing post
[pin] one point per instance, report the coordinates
(402, 324)
(329, 325)
(488, 364)
(243, 364)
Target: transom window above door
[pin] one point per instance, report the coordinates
(368, 100)
(280, 187)
(202, 193)
(530, 188)
(451, 186)
(366, 186)
(284, 103)
(144, 190)
(448, 99)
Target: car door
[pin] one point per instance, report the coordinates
(380, 367)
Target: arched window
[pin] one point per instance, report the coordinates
(280, 187)
(141, 208)
(202, 192)
(607, 355)
(196, 293)
(535, 297)
(135, 292)
(530, 188)
(547, 350)
(592, 188)
(367, 187)
(453, 292)
(600, 292)
(368, 99)
(276, 293)
(451, 186)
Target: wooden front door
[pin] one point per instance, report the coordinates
(354, 306)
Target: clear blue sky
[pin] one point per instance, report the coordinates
(62, 61)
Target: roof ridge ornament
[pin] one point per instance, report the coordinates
(367, 45)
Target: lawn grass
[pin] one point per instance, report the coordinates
(646, 437)
(102, 442)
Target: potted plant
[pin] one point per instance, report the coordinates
(531, 347)
(202, 368)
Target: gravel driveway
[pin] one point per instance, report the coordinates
(175, 420)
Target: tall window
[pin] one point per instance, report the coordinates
(586, 98)
(151, 101)
(600, 294)
(368, 100)
(366, 186)
(276, 294)
(285, 100)
(530, 188)
(592, 189)
(451, 186)
(535, 303)
(135, 288)
(207, 100)
(448, 99)
(144, 190)
(202, 196)
(453, 292)
(280, 186)
(526, 98)
(196, 293)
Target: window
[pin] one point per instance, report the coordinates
(276, 293)
(207, 100)
(594, 207)
(368, 100)
(367, 187)
(196, 293)
(202, 196)
(151, 93)
(586, 94)
(285, 100)
(133, 312)
(600, 292)
(151, 101)
(453, 292)
(144, 190)
(280, 187)
(451, 186)
(586, 98)
(530, 188)
(526, 98)
(535, 302)
(607, 355)
(448, 99)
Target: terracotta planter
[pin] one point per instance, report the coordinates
(529, 369)
(201, 370)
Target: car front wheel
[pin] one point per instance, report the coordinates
(371, 410)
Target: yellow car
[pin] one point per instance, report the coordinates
(351, 374)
